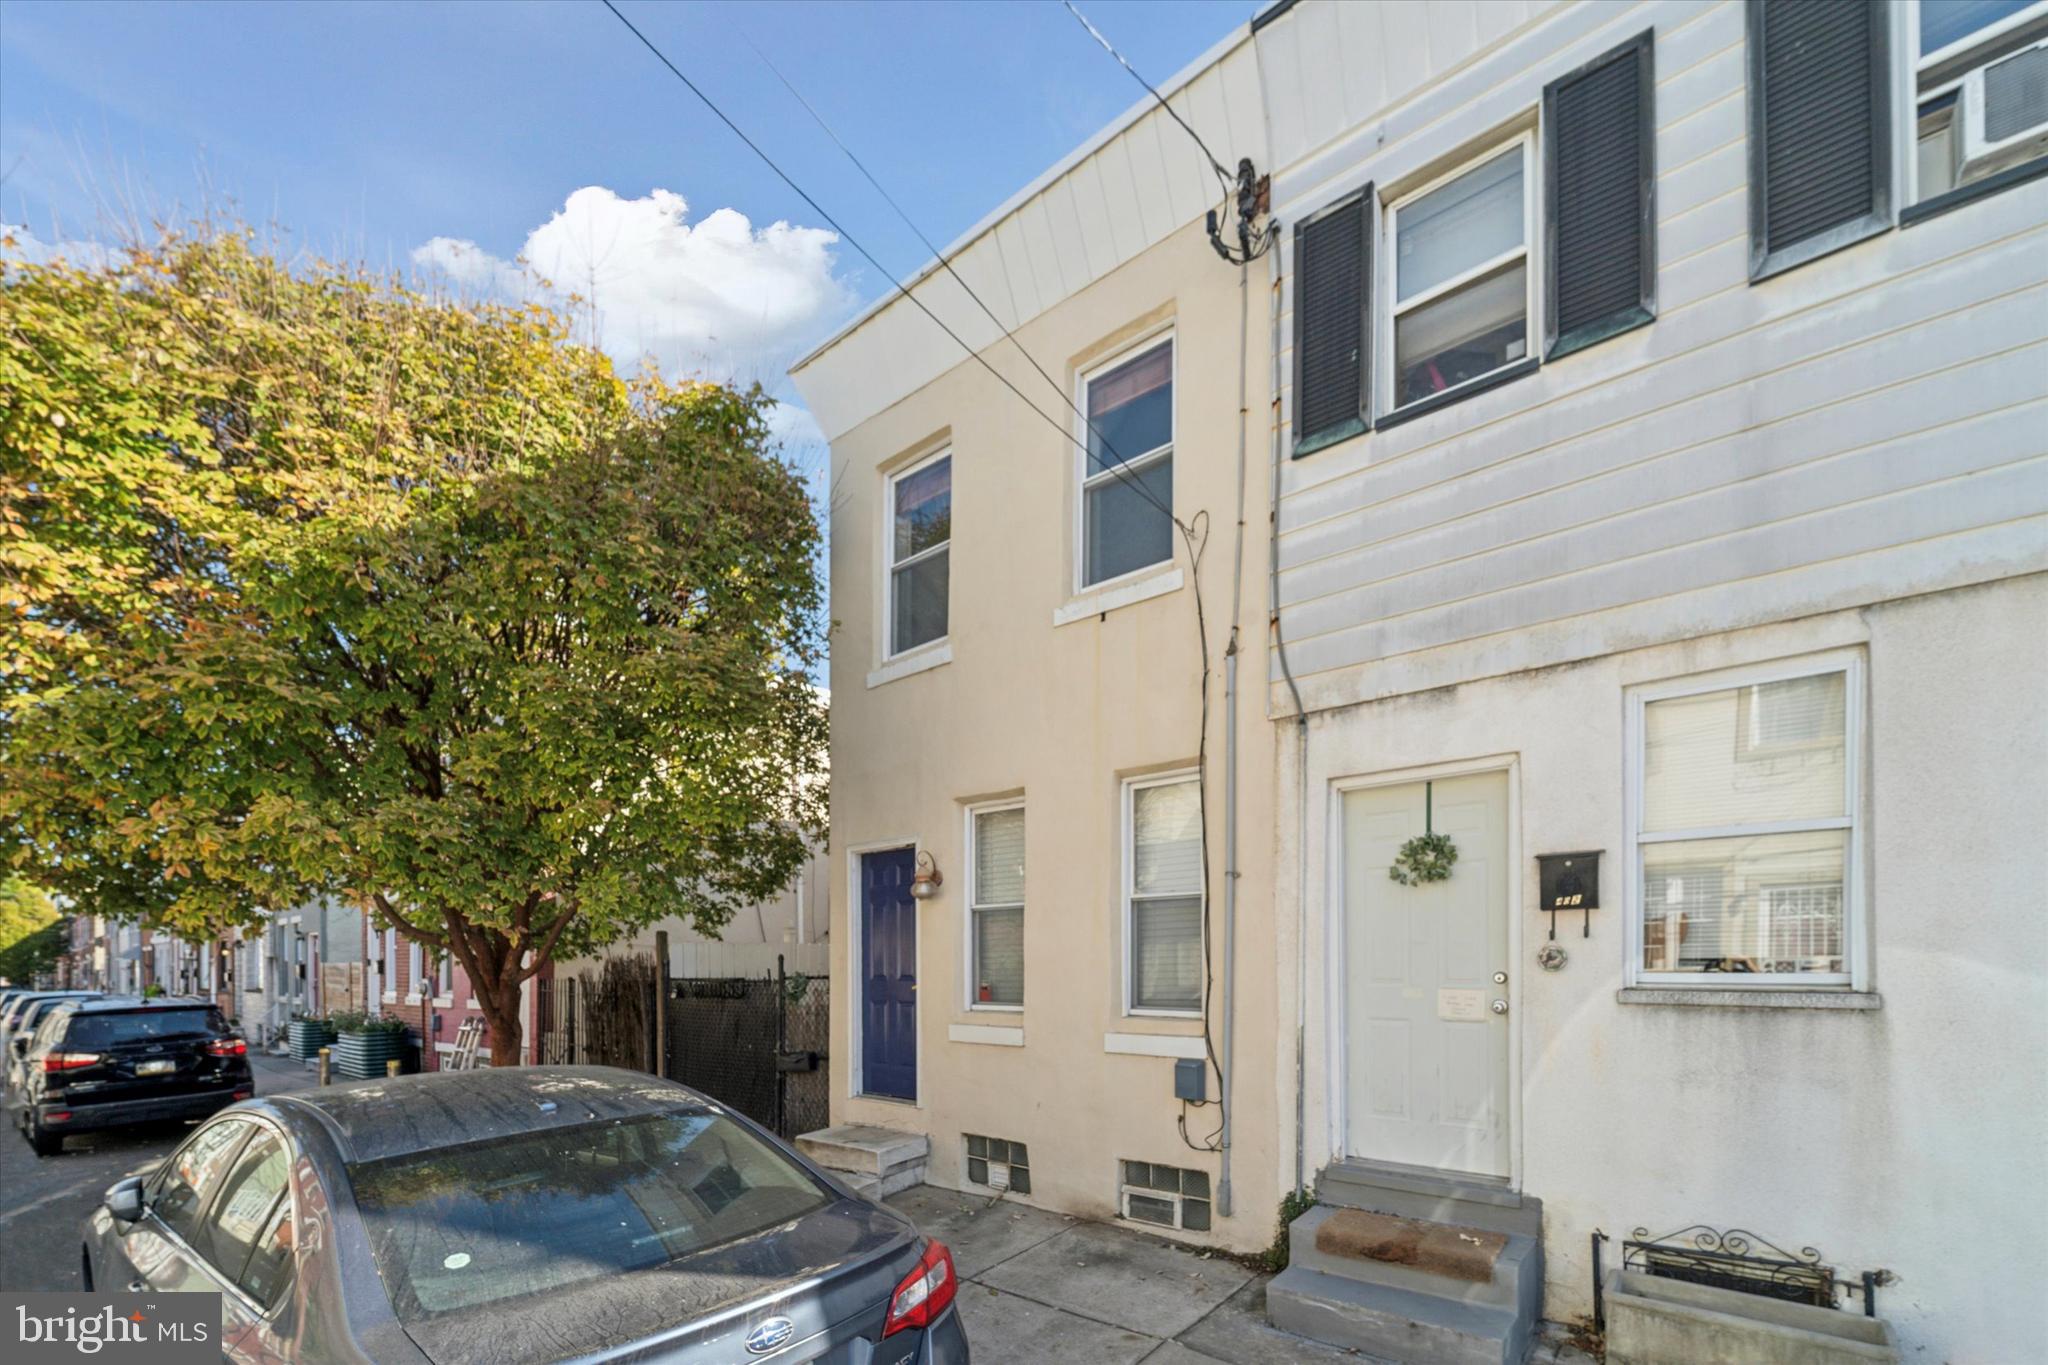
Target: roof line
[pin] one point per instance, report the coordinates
(1222, 48)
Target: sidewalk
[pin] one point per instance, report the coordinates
(274, 1075)
(1039, 1287)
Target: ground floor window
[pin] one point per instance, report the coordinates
(1165, 1195)
(1743, 818)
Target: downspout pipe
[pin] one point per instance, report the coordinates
(1230, 867)
(1300, 751)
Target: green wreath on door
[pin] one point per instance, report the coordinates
(1429, 856)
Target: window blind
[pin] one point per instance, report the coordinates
(1166, 896)
(1600, 184)
(1166, 839)
(999, 907)
(1819, 128)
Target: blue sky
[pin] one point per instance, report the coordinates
(451, 137)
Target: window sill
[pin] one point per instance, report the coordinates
(2009, 178)
(918, 660)
(1096, 601)
(1155, 1044)
(986, 1034)
(1704, 997)
(1422, 407)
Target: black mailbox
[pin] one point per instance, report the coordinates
(1570, 881)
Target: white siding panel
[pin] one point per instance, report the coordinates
(1692, 89)
(1685, 187)
(1206, 112)
(1280, 86)
(1091, 213)
(1047, 269)
(1148, 180)
(1712, 223)
(1191, 183)
(1358, 45)
(1707, 272)
(2011, 493)
(1405, 57)
(981, 265)
(1453, 33)
(1495, 21)
(1009, 239)
(1120, 194)
(1076, 267)
(1246, 105)
(1323, 74)
(1684, 141)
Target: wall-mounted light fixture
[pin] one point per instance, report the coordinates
(927, 882)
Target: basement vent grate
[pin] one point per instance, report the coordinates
(1164, 1195)
(998, 1164)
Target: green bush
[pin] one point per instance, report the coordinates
(1293, 1204)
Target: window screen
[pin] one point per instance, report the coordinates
(998, 907)
(1166, 896)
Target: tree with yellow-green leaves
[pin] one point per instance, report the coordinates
(313, 585)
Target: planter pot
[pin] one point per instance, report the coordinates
(361, 1056)
(307, 1036)
(1656, 1321)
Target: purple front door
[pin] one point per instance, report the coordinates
(888, 950)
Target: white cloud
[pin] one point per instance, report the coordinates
(718, 298)
(21, 247)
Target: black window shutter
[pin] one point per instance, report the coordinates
(1332, 313)
(1820, 150)
(1600, 173)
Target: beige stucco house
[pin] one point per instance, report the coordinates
(1654, 395)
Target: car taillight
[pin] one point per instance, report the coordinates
(227, 1047)
(925, 1293)
(69, 1061)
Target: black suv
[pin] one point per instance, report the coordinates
(113, 1062)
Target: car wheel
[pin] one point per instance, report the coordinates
(45, 1144)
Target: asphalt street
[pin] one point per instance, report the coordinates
(43, 1200)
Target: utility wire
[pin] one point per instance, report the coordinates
(945, 263)
(1096, 34)
(1117, 468)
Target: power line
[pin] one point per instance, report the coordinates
(1096, 34)
(1116, 468)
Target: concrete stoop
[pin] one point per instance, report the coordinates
(1433, 1270)
(873, 1161)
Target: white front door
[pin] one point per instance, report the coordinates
(1426, 1055)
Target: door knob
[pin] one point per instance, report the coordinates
(1500, 978)
(1500, 1007)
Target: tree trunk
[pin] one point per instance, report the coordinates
(506, 1031)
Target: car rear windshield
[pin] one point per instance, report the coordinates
(466, 1226)
(143, 1026)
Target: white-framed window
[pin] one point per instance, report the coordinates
(1168, 1196)
(1127, 465)
(1976, 74)
(444, 975)
(995, 907)
(1462, 296)
(919, 554)
(1163, 895)
(416, 969)
(1743, 827)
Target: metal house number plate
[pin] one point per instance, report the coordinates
(1452, 1003)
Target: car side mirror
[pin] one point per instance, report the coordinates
(124, 1200)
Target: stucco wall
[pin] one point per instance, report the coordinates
(1059, 714)
(1907, 1138)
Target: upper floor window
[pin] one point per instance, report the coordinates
(1127, 474)
(920, 537)
(1980, 77)
(1460, 276)
(1163, 894)
(1744, 825)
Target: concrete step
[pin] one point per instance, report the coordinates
(1516, 1276)
(1396, 1324)
(864, 1149)
(880, 1187)
(1414, 1192)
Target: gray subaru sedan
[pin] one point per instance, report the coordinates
(523, 1215)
